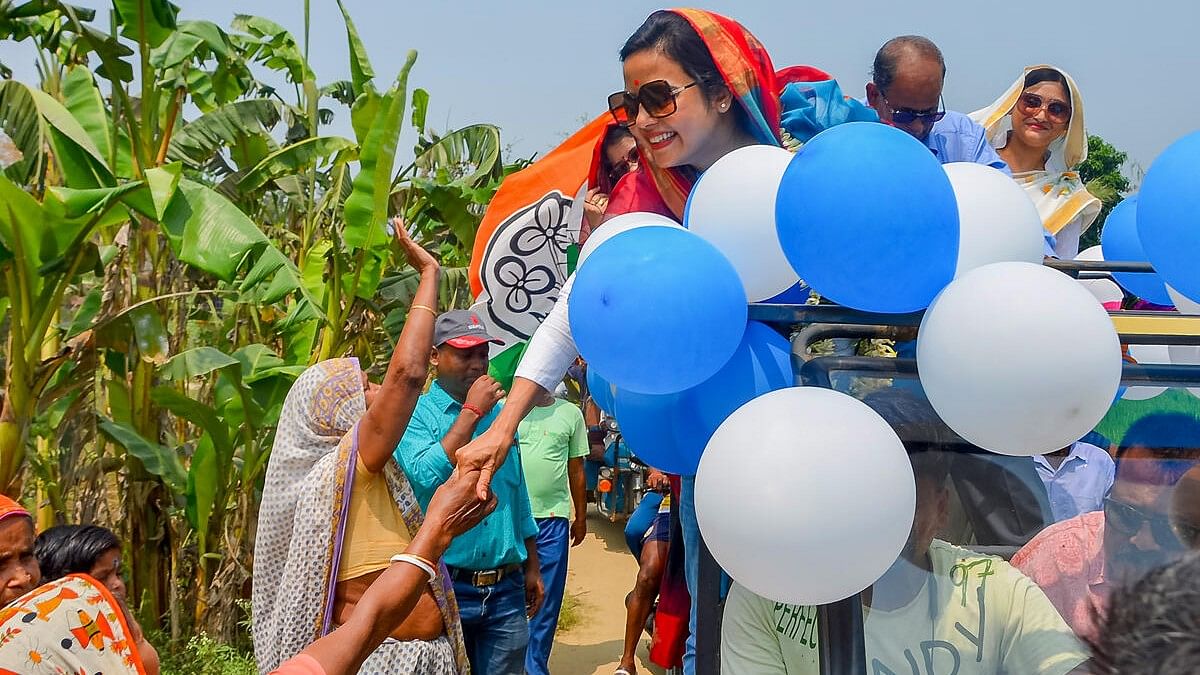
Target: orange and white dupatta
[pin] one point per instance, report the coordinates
(70, 625)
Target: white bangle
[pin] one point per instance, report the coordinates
(417, 562)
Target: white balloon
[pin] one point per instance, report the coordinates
(1106, 290)
(1183, 303)
(805, 495)
(998, 222)
(1147, 354)
(733, 207)
(622, 223)
(1018, 358)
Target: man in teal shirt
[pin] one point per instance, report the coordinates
(494, 565)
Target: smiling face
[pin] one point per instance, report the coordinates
(1037, 128)
(697, 133)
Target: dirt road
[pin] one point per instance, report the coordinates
(600, 572)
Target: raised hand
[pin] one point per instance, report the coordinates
(418, 257)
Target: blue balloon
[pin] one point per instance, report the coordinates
(1168, 215)
(867, 216)
(670, 431)
(762, 363)
(657, 309)
(601, 391)
(650, 425)
(1120, 242)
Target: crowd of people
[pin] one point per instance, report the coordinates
(424, 527)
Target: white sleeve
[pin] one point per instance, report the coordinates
(551, 349)
(1066, 244)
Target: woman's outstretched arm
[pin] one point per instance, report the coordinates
(454, 509)
(387, 417)
(551, 351)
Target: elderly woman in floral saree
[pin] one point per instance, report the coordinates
(336, 507)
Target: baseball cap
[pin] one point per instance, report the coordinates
(461, 328)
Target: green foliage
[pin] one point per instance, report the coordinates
(165, 277)
(1102, 173)
(202, 655)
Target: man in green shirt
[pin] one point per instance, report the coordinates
(554, 442)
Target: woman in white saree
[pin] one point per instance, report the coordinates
(335, 506)
(1037, 128)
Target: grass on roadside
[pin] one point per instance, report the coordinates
(571, 613)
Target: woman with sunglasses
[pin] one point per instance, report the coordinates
(616, 156)
(1037, 128)
(697, 86)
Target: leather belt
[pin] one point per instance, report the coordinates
(479, 578)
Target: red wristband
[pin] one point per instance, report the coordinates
(474, 409)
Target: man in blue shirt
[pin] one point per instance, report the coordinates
(494, 565)
(906, 91)
(1077, 479)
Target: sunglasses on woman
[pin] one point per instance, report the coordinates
(656, 96)
(626, 164)
(1057, 111)
(1128, 520)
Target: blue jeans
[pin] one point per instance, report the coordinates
(691, 563)
(640, 521)
(494, 625)
(553, 542)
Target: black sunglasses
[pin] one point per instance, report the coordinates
(656, 96)
(908, 115)
(1128, 520)
(627, 163)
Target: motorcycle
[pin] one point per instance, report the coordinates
(620, 478)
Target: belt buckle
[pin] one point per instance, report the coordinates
(486, 578)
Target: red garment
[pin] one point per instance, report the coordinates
(674, 603)
(10, 508)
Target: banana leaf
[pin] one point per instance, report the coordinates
(367, 207)
(296, 158)
(361, 72)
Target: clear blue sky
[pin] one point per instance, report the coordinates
(535, 68)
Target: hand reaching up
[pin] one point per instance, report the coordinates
(418, 257)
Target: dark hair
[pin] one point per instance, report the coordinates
(1152, 626)
(614, 135)
(72, 549)
(887, 59)
(925, 436)
(1171, 438)
(670, 33)
(1171, 435)
(1047, 75)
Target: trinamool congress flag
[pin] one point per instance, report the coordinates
(528, 242)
